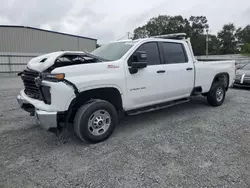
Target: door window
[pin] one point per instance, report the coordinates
(174, 53)
(152, 51)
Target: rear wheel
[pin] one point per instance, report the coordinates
(95, 121)
(216, 95)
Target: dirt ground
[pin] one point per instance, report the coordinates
(190, 145)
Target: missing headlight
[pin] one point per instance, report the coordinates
(45, 90)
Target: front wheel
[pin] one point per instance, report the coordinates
(216, 95)
(95, 121)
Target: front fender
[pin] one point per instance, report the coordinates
(83, 89)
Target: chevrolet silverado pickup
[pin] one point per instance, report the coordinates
(88, 92)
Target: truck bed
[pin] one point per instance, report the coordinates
(205, 73)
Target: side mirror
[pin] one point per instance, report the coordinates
(139, 60)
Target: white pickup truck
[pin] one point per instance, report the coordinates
(90, 91)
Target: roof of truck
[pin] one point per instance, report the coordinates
(172, 36)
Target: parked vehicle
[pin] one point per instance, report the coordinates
(91, 91)
(242, 78)
(239, 65)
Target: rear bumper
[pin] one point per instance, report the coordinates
(47, 120)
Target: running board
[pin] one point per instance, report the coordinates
(157, 106)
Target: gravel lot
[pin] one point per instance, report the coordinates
(190, 145)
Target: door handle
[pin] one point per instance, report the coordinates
(161, 71)
(189, 68)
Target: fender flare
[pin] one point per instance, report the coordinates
(220, 74)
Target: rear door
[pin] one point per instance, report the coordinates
(179, 70)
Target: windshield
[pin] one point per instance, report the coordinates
(113, 51)
(246, 67)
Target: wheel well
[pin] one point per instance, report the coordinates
(111, 95)
(223, 78)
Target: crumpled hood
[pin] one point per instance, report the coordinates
(45, 61)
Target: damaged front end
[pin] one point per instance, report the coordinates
(38, 79)
(26, 106)
(50, 121)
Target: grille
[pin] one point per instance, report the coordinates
(238, 78)
(30, 88)
(247, 79)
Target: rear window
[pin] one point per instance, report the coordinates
(174, 53)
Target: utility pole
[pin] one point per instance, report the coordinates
(207, 43)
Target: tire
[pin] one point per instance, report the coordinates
(216, 95)
(95, 121)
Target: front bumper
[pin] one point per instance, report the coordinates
(241, 85)
(47, 120)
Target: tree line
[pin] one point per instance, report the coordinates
(229, 40)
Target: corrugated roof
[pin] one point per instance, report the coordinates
(27, 27)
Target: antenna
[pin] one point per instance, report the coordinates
(172, 36)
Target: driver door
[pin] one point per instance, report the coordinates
(148, 85)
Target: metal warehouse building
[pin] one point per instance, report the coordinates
(22, 39)
(18, 44)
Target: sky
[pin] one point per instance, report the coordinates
(109, 20)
